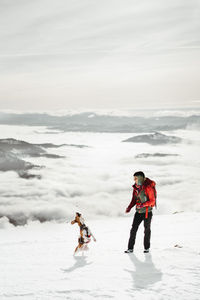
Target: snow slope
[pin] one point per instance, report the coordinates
(37, 262)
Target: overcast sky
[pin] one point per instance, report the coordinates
(69, 54)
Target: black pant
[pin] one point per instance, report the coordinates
(138, 218)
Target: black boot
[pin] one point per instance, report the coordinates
(128, 251)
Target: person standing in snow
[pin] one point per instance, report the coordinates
(144, 198)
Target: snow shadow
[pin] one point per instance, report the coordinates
(145, 273)
(80, 262)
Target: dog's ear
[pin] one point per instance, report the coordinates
(82, 220)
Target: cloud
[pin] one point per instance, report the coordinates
(4, 223)
(97, 180)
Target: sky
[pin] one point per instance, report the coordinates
(108, 54)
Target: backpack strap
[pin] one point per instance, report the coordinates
(146, 213)
(155, 194)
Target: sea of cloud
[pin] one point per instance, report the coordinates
(97, 180)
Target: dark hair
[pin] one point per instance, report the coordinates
(78, 214)
(139, 173)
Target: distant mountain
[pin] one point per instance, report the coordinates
(146, 155)
(154, 139)
(21, 147)
(93, 122)
(10, 162)
(49, 145)
(25, 148)
(13, 151)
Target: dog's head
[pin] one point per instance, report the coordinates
(78, 219)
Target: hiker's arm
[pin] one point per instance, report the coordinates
(132, 203)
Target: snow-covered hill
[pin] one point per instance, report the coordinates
(37, 261)
(154, 139)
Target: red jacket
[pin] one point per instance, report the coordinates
(150, 191)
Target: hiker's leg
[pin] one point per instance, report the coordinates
(147, 231)
(136, 222)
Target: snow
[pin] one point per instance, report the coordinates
(37, 260)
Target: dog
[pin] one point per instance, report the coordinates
(85, 233)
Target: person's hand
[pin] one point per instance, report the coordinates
(127, 210)
(141, 205)
(145, 204)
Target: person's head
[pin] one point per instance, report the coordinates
(77, 219)
(139, 177)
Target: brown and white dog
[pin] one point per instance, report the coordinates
(85, 233)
